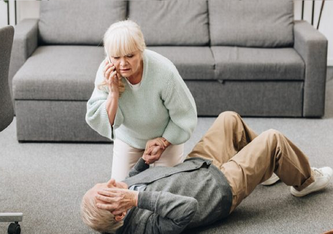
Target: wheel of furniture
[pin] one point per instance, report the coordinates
(14, 228)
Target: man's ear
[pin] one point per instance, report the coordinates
(120, 217)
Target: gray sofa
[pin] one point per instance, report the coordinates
(249, 56)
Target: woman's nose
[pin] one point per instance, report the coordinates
(123, 61)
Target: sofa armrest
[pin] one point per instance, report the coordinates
(24, 44)
(312, 47)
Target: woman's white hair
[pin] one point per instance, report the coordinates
(122, 38)
(98, 219)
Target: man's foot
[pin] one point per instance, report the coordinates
(322, 178)
(272, 180)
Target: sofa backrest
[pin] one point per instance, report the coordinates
(251, 23)
(78, 21)
(171, 22)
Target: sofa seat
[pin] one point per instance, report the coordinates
(250, 98)
(239, 63)
(70, 70)
(265, 81)
(46, 104)
(192, 62)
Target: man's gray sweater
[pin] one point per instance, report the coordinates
(193, 193)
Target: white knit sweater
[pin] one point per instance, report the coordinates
(161, 106)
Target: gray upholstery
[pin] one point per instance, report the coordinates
(171, 22)
(193, 63)
(25, 43)
(248, 56)
(239, 63)
(70, 73)
(251, 23)
(259, 98)
(63, 121)
(312, 46)
(6, 105)
(86, 21)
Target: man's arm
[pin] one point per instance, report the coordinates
(171, 213)
(140, 166)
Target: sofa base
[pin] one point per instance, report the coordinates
(249, 98)
(56, 121)
(64, 121)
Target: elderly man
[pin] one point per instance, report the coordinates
(222, 169)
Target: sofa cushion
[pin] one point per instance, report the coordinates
(193, 63)
(251, 23)
(78, 21)
(58, 73)
(238, 63)
(171, 22)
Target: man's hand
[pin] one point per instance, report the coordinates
(153, 154)
(154, 149)
(116, 200)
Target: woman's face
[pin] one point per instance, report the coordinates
(129, 65)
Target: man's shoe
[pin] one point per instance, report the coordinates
(272, 180)
(322, 178)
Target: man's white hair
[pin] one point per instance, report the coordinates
(98, 219)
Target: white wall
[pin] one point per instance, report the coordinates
(30, 9)
(25, 9)
(3, 13)
(326, 22)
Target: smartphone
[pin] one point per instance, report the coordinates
(111, 63)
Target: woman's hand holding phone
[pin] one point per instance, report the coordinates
(111, 77)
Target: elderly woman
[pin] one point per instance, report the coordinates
(141, 102)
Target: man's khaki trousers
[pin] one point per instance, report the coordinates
(246, 159)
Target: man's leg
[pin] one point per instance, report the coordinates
(269, 152)
(228, 135)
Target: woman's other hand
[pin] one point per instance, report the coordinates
(153, 154)
(154, 149)
(159, 141)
